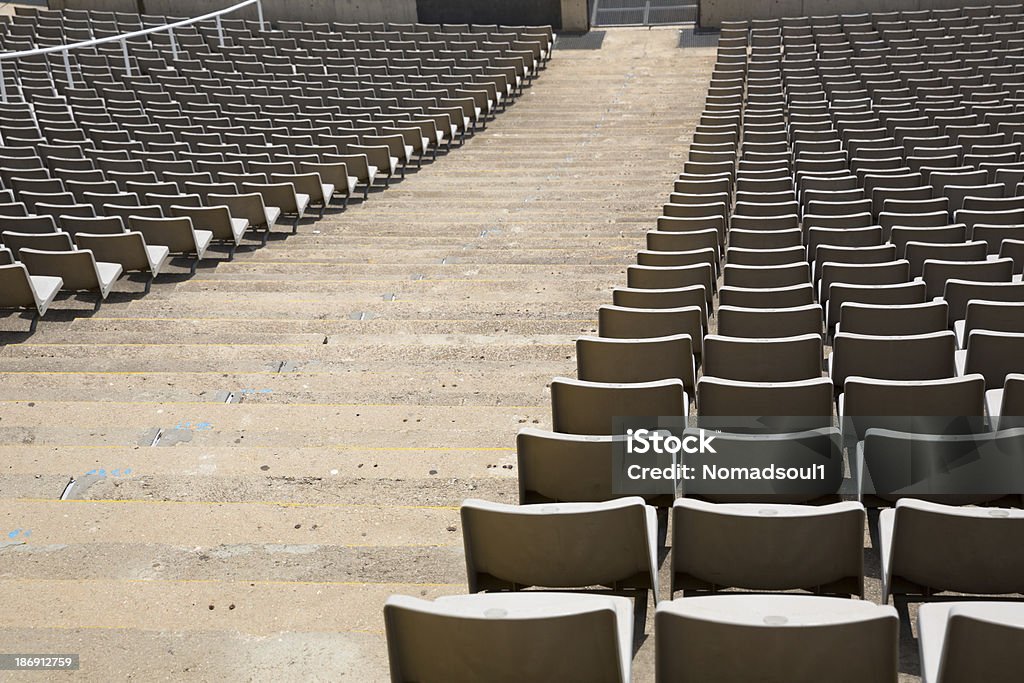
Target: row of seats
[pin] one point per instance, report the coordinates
(715, 547)
(802, 220)
(115, 158)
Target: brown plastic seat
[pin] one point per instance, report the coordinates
(24, 292)
(793, 638)
(781, 359)
(579, 407)
(768, 547)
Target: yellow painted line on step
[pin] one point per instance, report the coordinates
(312, 342)
(250, 405)
(93, 627)
(266, 503)
(258, 582)
(489, 321)
(343, 447)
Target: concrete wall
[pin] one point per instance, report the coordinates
(401, 11)
(714, 12)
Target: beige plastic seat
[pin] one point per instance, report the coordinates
(963, 642)
(929, 547)
(907, 357)
(919, 252)
(781, 359)
(620, 322)
(335, 174)
(53, 241)
(684, 241)
(177, 234)
(901, 236)
(129, 250)
(657, 277)
(103, 225)
(613, 544)
(830, 253)
(937, 273)
(309, 184)
(764, 257)
(770, 406)
(510, 637)
(78, 270)
(21, 291)
(600, 359)
(579, 407)
(757, 277)
(569, 468)
(765, 239)
(958, 293)
(777, 638)
(249, 207)
(883, 295)
(217, 220)
(890, 273)
(908, 406)
(28, 224)
(893, 319)
(284, 197)
(774, 297)
(766, 323)
(993, 355)
(679, 297)
(768, 547)
(996, 316)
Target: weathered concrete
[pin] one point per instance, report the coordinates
(258, 540)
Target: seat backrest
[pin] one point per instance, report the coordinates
(657, 277)
(127, 249)
(997, 316)
(994, 355)
(908, 357)
(52, 241)
(893, 319)
(507, 638)
(107, 225)
(768, 547)
(931, 546)
(781, 637)
(973, 641)
(15, 290)
(767, 276)
(766, 323)
(781, 359)
(890, 273)
(620, 322)
(959, 293)
(907, 405)
(174, 233)
(763, 407)
(579, 407)
(919, 252)
(937, 273)
(511, 546)
(28, 224)
(556, 467)
(76, 268)
(281, 195)
(249, 206)
(601, 359)
(898, 294)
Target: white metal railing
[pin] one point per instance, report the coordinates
(124, 38)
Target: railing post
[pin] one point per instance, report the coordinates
(220, 31)
(174, 44)
(259, 14)
(3, 83)
(67, 69)
(127, 62)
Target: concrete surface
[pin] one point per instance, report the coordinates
(384, 358)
